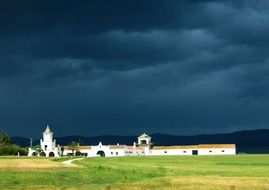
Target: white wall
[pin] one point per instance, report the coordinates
(116, 152)
(100, 147)
(134, 152)
(48, 136)
(216, 151)
(48, 142)
(162, 152)
(55, 151)
(50, 145)
(201, 151)
(31, 151)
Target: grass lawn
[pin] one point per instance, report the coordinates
(240, 172)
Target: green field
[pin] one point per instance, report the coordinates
(246, 172)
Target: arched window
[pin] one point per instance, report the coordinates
(34, 154)
(51, 154)
(42, 154)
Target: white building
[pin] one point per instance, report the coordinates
(144, 147)
(144, 139)
(47, 146)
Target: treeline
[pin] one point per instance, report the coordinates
(7, 148)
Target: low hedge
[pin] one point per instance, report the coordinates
(12, 149)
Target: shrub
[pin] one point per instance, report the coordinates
(12, 150)
(78, 153)
(4, 138)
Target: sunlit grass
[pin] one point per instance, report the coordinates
(171, 172)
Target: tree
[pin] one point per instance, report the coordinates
(62, 150)
(4, 138)
(78, 153)
(6, 148)
(73, 145)
(12, 149)
(80, 142)
(37, 148)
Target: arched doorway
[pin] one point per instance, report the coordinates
(34, 154)
(42, 154)
(101, 153)
(51, 154)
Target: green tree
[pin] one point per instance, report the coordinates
(62, 150)
(6, 148)
(73, 146)
(80, 142)
(37, 148)
(78, 153)
(4, 138)
(73, 143)
(12, 149)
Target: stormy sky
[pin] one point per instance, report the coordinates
(128, 66)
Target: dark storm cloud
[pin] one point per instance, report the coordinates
(88, 16)
(122, 67)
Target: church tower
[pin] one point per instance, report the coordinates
(47, 143)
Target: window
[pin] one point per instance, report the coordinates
(111, 153)
(210, 151)
(165, 152)
(117, 153)
(46, 146)
(184, 151)
(222, 151)
(143, 142)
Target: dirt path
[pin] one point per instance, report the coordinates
(69, 162)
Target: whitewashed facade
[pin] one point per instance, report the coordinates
(143, 147)
(47, 146)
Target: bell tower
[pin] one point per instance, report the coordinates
(47, 143)
(144, 140)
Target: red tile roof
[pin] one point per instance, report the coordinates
(77, 147)
(175, 147)
(117, 146)
(134, 148)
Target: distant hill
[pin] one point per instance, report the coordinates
(247, 141)
(20, 141)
